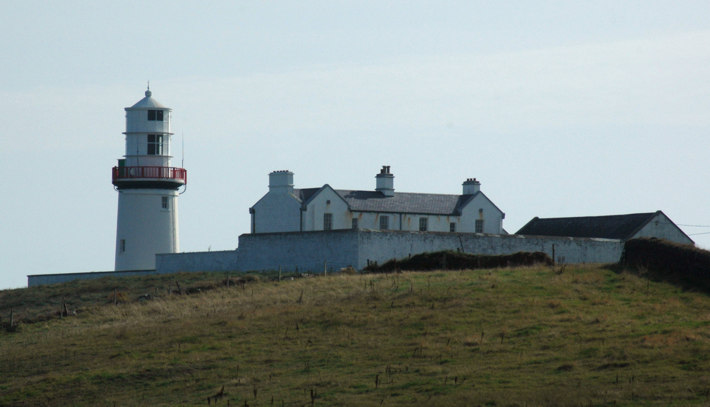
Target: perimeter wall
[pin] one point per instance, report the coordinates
(42, 279)
(332, 250)
(314, 252)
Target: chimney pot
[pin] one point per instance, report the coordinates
(471, 186)
(281, 181)
(385, 181)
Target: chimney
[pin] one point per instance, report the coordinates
(281, 182)
(471, 186)
(384, 181)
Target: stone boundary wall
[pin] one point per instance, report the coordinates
(43, 279)
(299, 251)
(383, 246)
(196, 261)
(314, 252)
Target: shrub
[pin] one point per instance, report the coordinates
(668, 261)
(451, 260)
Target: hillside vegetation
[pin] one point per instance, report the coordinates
(527, 336)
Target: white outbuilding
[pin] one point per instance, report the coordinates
(147, 188)
(621, 227)
(287, 209)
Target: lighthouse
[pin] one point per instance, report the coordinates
(148, 188)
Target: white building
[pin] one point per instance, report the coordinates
(285, 209)
(147, 188)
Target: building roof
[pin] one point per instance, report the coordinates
(620, 227)
(401, 202)
(148, 102)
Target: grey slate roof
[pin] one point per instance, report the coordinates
(607, 227)
(401, 202)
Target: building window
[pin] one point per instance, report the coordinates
(327, 221)
(452, 227)
(155, 144)
(354, 223)
(155, 115)
(384, 222)
(423, 223)
(122, 246)
(479, 225)
(164, 202)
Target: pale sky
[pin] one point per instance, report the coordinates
(558, 108)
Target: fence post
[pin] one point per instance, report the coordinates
(553, 254)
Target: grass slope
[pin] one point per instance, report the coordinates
(528, 336)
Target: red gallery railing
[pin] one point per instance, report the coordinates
(161, 173)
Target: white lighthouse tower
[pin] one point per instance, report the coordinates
(147, 188)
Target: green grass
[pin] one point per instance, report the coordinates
(527, 336)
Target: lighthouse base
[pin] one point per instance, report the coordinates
(147, 225)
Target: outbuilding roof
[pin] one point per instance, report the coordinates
(620, 227)
(400, 202)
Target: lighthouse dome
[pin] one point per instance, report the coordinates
(148, 102)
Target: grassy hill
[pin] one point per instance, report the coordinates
(528, 336)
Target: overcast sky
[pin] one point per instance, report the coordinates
(558, 108)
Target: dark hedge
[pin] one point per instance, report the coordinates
(451, 260)
(668, 261)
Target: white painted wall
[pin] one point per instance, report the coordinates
(226, 260)
(405, 221)
(305, 252)
(662, 227)
(383, 246)
(492, 216)
(146, 227)
(371, 220)
(314, 251)
(137, 121)
(277, 211)
(435, 223)
(327, 201)
(342, 217)
(493, 219)
(44, 279)
(137, 152)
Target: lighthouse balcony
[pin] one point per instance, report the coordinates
(149, 177)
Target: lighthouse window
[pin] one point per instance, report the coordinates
(164, 203)
(155, 144)
(155, 115)
(122, 246)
